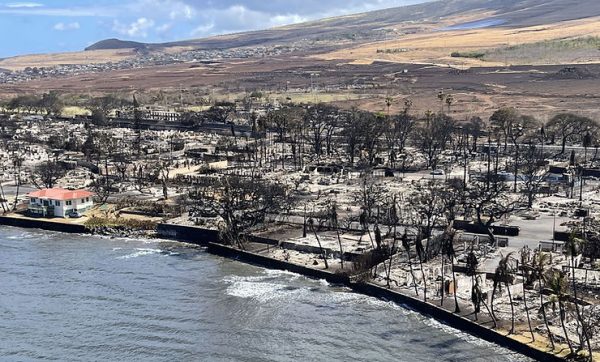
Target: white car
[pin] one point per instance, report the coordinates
(75, 214)
(438, 172)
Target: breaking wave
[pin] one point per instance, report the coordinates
(141, 252)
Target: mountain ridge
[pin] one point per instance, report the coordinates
(515, 13)
(113, 43)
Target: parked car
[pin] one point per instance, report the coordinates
(438, 172)
(75, 214)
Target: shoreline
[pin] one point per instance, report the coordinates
(210, 240)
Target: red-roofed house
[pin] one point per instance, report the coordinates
(59, 202)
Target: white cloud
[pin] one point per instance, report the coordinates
(239, 18)
(24, 5)
(137, 29)
(163, 28)
(203, 30)
(182, 11)
(88, 11)
(66, 26)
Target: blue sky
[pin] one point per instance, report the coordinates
(44, 26)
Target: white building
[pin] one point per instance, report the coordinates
(58, 202)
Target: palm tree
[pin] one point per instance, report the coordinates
(558, 283)
(573, 248)
(393, 219)
(388, 102)
(503, 275)
(449, 101)
(540, 261)
(406, 246)
(333, 220)
(311, 223)
(442, 97)
(443, 256)
(364, 223)
(526, 270)
(471, 266)
(379, 243)
(448, 250)
(420, 251)
(479, 298)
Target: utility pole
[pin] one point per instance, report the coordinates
(489, 160)
(580, 169)
(465, 147)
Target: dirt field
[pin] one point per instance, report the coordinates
(538, 90)
(435, 46)
(48, 60)
(418, 64)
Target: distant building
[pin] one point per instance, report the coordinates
(58, 202)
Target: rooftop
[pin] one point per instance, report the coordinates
(60, 194)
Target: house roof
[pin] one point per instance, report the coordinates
(60, 194)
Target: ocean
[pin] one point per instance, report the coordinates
(70, 297)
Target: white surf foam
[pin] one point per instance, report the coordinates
(140, 252)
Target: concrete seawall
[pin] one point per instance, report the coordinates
(43, 224)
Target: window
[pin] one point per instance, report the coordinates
(69, 203)
(87, 199)
(82, 201)
(33, 199)
(57, 203)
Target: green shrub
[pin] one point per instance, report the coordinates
(473, 55)
(100, 222)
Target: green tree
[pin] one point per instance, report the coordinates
(569, 127)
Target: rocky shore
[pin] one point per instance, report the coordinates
(122, 232)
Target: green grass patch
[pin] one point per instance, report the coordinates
(588, 42)
(555, 51)
(119, 223)
(472, 55)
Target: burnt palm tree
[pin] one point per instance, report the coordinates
(392, 219)
(448, 251)
(540, 262)
(311, 223)
(558, 284)
(573, 248)
(471, 270)
(364, 224)
(478, 298)
(334, 223)
(526, 270)
(503, 276)
(443, 256)
(420, 253)
(406, 246)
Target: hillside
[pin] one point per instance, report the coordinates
(450, 32)
(426, 33)
(412, 19)
(116, 44)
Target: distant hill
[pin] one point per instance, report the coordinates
(116, 44)
(505, 13)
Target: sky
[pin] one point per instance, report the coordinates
(47, 26)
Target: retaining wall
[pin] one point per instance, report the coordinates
(43, 224)
(193, 235)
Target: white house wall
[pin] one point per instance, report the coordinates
(63, 210)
